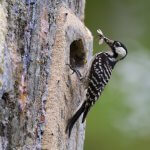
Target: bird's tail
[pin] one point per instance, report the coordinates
(72, 121)
(86, 110)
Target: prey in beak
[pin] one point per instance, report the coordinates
(102, 39)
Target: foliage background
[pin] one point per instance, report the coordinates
(121, 119)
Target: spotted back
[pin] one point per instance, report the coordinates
(101, 70)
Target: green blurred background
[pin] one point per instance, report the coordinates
(121, 119)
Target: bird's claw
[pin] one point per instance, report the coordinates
(75, 71)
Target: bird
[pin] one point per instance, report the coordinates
(97, 76)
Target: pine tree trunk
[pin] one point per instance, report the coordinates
(38, 94)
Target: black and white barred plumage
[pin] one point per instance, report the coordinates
(99, 74)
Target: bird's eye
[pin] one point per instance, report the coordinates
(117, 44)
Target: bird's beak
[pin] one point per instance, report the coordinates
(109, 42)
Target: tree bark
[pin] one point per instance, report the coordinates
(38, 93)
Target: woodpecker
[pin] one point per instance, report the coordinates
(97, 76)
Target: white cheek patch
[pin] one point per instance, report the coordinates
(120, 51)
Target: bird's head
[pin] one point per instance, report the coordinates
(118, 49)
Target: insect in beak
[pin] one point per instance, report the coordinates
(102, 39)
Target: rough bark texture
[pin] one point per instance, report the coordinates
(38, 93)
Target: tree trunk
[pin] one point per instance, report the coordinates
(38, 93)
